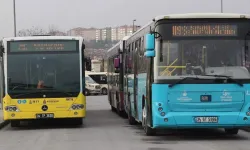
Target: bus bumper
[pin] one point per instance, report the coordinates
(187, 120)
(32, 115)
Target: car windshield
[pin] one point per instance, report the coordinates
(89, 80)
(99, 78)
(45, 73)
(178, 58)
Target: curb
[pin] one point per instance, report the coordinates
(3, 124)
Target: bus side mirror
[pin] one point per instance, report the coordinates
(150, 45)
(88, 64)
(117, 62)
(117, 65)
(1, 50)
(83, 47)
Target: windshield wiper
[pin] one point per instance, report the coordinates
(227, 77)
(14, 86)
(41, 91)
(60, 91)
(34, 92)
(181, 80)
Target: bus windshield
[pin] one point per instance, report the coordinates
(222, 56)
(193, 50)
(46, 73)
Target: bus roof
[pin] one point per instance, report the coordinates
(43, 38)
(202, 15)
(114, 50)
(188, 16)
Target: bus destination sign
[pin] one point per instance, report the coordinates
(42, 45)
(192, 30)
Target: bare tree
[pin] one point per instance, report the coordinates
(53, 30)
(32, 31)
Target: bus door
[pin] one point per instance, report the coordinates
(131, 88)
(127, 71)
(136, 80)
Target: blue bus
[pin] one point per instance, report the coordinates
(189, 71)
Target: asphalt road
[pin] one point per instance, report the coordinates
(104, 130)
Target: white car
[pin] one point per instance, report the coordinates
(100, 78)
(91, 87)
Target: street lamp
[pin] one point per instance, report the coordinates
(134, 25)
(14, 13)
(221, 6)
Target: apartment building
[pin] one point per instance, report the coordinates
(114, 34)
(118, 33)
(103, 34)
(108, 33)
(87, 33)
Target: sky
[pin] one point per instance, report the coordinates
(67, 14)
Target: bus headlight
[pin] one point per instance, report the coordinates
(160, 109)
(12, 108)
(163, 113)
(77, 106)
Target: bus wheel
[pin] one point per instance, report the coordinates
(117, 104)
(118, 108)
(78, 121)
(104, 91)
(149, 131)
(232, 131)
(131, 119)
(15, 123)
(113, 108)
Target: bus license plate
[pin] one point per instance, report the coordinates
(206, 119)
(42, 116)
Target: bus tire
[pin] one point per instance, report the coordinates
(118, 108)
(112, 108)
(131, 119)
(148, 130)
(78, 121)
(15, 123)
(121, 113)
(233, 131)
(104, 91)
(117, 104)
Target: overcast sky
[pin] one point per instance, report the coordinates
(66, 14)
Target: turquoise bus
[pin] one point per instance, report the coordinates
(189, 71)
